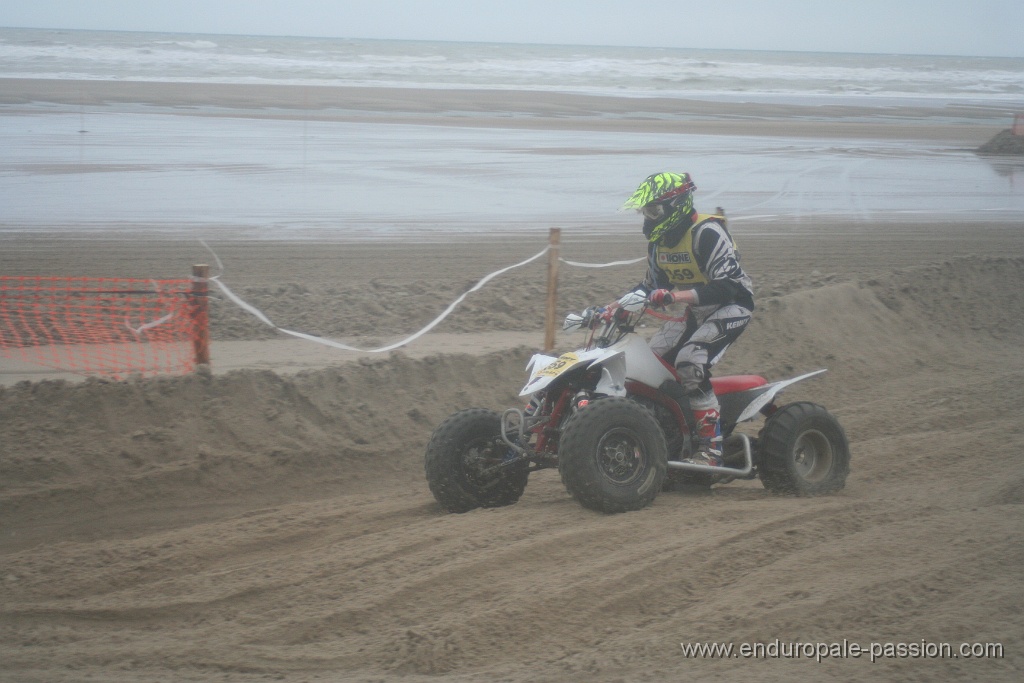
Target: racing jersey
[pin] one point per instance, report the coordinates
(705, 260)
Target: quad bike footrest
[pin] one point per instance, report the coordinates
(746, 471)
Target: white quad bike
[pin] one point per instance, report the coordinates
(599, 415)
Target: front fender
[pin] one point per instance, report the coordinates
(613, 374)
(538, 361)
(544, 370)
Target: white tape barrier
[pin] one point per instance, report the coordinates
(603, 265)
(137, 331)
(338, 345)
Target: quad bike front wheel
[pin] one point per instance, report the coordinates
(804, 451)
(463, 461)
(612, 456)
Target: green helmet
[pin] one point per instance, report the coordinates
(664, 199)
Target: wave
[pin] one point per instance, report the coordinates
(198, 44)
(680, 72)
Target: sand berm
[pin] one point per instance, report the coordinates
(259, 526)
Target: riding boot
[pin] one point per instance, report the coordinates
(709, 433)
(704, 423)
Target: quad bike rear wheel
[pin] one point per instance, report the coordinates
(461, 463)
(804, 451)
(612, 456)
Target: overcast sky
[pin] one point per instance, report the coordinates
(959, 27)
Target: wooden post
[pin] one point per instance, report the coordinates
(201, 313)
(554, 237)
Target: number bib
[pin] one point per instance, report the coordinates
(680, 262)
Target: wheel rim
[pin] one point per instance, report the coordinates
(621, 457)
(813, 456)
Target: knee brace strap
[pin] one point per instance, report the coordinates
(690, 376)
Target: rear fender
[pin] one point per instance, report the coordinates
(766, 395)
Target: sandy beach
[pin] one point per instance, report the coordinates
(515, 109)
(366, 164)
(271, 521)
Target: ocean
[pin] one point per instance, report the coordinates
(639, 72)
(137, 168)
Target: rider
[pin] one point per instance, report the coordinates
(692, 259)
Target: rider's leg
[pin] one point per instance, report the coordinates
(701, 407)
(667, 338)
(708, 428)
(699, 353)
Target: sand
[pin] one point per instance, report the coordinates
(512, 108)
(270, 521)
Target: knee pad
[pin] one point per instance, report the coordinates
(705, 400)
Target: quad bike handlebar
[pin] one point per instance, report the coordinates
(616, 319)
(619, 311)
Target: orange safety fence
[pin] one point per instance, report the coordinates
(104, 326)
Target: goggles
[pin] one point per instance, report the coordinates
(653, 211)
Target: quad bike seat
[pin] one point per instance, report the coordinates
(726, 384)
(730, 384)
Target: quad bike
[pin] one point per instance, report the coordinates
(600, 416)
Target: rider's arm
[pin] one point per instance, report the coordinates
(655, 278)
(714, 293)
(718, 260)
(685, 296)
